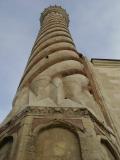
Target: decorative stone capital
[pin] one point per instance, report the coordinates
(55, 9)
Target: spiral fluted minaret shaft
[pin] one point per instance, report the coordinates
(52, 58)
(53, 42)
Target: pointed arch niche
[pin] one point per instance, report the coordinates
(5, 148)
(57, 143)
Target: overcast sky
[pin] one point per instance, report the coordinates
(94, 25)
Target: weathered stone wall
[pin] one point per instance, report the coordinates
(108, 77)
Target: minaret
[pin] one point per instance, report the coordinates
(58, 112)
(53, 56)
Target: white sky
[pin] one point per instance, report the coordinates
(94, 25)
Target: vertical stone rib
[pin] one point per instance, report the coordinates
(53, 37)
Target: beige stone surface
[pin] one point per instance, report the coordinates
(57, 143)
(108, 75)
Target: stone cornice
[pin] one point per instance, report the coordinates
(47, 111)
(105, 62)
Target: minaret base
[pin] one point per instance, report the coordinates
(56, 133)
